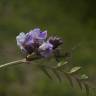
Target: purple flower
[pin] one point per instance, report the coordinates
(46, 49)
(29, 41)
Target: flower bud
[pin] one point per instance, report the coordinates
(55, 41)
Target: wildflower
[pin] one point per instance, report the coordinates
(35, 41)
(32, 40)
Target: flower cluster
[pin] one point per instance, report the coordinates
(36, 41)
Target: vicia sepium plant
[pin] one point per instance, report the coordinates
(36, 45)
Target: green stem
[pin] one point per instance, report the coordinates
(13, 63)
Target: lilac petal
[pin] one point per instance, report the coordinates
(21, 39)
(46, 49)
(36, 30)
(29, 39)
(30, 36)
(37, 34)
(46, 45)
(34, 33)
(43, 35)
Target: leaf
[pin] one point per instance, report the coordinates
(69, 78)
(62, 63)
(46, 72)
(79, 83)
(84, 77)
(74, 69)
(87, 88)
(57, 75)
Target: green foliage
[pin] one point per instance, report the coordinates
(81, 80)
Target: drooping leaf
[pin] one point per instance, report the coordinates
(79, 83)
(87, 88)
(74, 69)
(46, 72)
(68, 76)
(57, 75)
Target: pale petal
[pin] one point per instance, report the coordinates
(46, 49)
(20, 39)
(29, 38)
(43, 35)
(46, 45)
(35, 32)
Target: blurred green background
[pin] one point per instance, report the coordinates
(73, 20)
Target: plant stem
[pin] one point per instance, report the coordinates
(13, 63)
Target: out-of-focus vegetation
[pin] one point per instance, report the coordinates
(73, 20)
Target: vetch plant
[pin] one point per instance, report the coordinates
(36, 45)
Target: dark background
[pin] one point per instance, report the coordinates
(73, 20)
